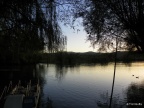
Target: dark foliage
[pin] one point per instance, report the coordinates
(71, 58)
(26, 26)
(104, 20)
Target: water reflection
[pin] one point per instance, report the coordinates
(60, 72)
(26, 72)
(84, 86)
(46, 104)
(134, 98)
(135, 95)
(81, 86)
(104, 101)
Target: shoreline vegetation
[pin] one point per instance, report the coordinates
(73, 58)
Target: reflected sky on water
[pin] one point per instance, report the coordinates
(88, 86)
(83, 86)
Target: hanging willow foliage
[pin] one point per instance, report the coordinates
(28, 26)
(31, 20)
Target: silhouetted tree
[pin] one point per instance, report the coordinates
(104, 20)
(26, 26)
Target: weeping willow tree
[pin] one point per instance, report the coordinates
(26, 27)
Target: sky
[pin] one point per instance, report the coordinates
(76, 40)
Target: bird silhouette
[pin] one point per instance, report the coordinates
(137, 77)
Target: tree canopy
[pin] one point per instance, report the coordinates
(26, 26)
(104, 20)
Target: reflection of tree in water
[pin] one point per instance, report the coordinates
(49, 103)
(46, 104)
(129, 64)
(135, 95)
(134, 98)
(61, 71)
(104, 101)
(41, 71)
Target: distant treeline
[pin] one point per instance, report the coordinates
(73, 58)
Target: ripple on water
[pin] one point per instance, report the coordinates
(91, 84)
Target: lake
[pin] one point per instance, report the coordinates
(89, 86)
(85, 86)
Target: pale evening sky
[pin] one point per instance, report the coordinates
(76, 41)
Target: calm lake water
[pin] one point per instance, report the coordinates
(86, 86)
(89, 86)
